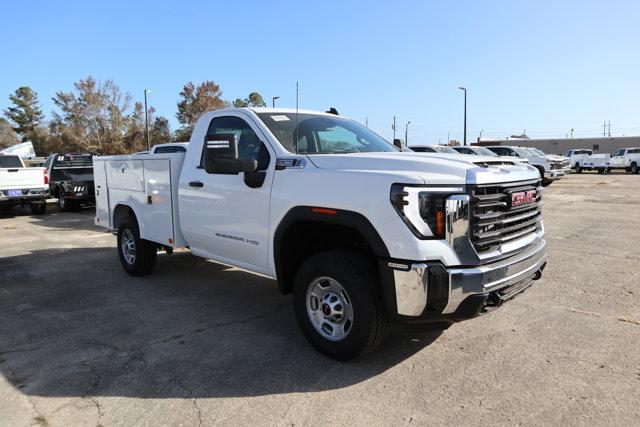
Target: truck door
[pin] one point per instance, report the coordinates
(226, 217)
(617, 158)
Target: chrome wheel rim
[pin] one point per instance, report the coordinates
(329, 308)
(128, 246)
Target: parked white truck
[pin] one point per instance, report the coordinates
(361, 233)
(627, 159)
(20, 185)
(550, 169)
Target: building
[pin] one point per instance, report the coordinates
(561, 145)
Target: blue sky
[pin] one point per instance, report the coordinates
(542, 66)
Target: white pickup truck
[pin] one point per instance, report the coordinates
(361, 233)
(550, 169)
(20, 185)
(627, 159)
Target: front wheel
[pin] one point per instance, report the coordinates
(138, 256)
(578, 168)
(600, 170)
(337, 304)
(634, 168)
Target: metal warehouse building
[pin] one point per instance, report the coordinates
(561, 145)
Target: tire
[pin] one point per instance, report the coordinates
(546, 182)
(63, 203)
(600, 170)
(578, 168)
(38, 208)
(362, 324)
(634, 168)
(139, 257)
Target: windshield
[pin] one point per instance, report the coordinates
(539, 152)
(319, 134)
(445, 149)
(522, 152)
(10, 162)
(485, 152)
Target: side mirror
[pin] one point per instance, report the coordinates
(398, 143)
(221, 155)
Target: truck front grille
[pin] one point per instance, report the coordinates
(497, 216)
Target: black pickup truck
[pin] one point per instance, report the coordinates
(71, 179)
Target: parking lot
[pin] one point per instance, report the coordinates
(82, 343)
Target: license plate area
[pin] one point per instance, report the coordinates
(14, 193)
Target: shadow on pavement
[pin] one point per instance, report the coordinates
(72, 323)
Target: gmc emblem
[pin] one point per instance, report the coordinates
(523, 198)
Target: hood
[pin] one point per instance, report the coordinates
(433, 168)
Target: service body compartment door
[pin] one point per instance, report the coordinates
(157, 213)
(125, 175)
(103, 217)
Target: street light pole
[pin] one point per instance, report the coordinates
(406, 133)
(465, 114)
(273, 101)
(146, 119)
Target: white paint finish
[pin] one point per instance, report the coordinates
(129, 180)
(22, 178)
(243, 216)
(103, 210)
(225, 217)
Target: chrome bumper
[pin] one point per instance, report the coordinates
(412, 284)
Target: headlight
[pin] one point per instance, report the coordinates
(423, 209)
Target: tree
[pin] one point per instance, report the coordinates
(25, 113)
(8, 136)
(160, 131)
(197, 100)
(27, 118)
(96, 117)
(253, 100)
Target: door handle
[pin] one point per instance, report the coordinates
(196, 184)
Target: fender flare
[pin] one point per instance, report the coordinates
(135, 212)
(326, 215)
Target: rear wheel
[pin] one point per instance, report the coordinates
(634, 168)
(600, 170)
(138, 256)
(337, 304)
(63, 203)
(38, 208)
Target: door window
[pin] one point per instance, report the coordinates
(617, 153)
(250, 147)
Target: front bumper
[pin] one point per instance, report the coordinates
(554, 174)
(428, 290)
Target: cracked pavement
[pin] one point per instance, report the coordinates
(195, 343)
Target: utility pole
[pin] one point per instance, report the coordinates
(604, 129)
(406, 133)
(146, 119)
(394, 128)
(609, 128)
(464, 138)
(480, 137)
(273, 101)
(571, 133)
(366, 121)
